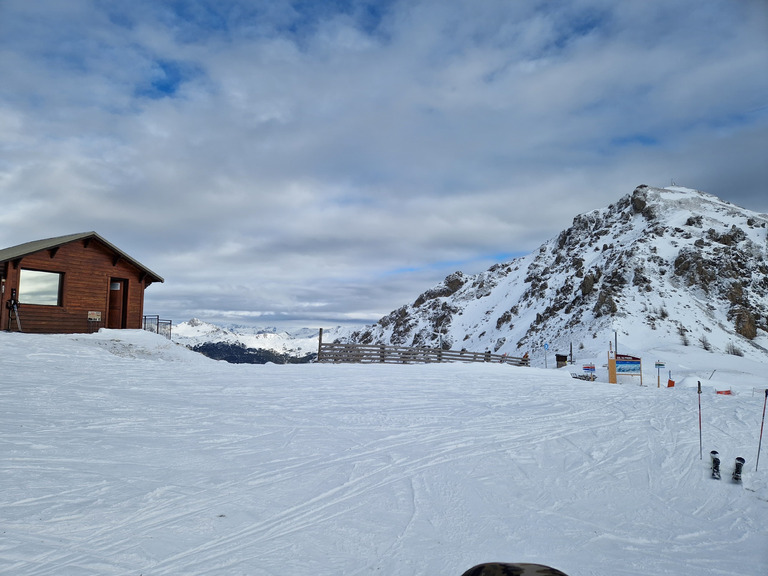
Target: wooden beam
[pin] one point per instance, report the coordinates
(381, 353)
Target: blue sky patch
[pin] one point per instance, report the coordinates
(644, 140)
(467, 265)
(166, 78)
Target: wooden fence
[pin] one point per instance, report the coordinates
(385, 354)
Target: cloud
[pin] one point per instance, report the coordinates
(330, 161)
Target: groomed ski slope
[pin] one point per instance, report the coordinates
(125, 454)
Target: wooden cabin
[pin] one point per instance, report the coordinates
(75, 283)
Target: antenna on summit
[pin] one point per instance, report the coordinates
(673, 182)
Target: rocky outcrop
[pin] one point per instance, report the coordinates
(656, 257)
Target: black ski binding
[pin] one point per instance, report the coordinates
(737, 469)
(715, 464)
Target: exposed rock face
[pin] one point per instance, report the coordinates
(674, 260)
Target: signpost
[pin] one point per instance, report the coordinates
(624, 365)
(659, 366)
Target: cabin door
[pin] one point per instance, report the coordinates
(118, 292)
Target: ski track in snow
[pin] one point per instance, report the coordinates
(125, 459)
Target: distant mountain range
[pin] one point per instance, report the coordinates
(248, 345)
(662, 264)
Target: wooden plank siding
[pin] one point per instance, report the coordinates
(86, 266)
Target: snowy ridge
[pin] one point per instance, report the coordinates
(302, 342)
(124, 453)
(666, 264)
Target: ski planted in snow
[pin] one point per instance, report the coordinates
(503, 569)
(715, 456)
(737, 469)
(13, 310)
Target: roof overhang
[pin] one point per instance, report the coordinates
(16, 253)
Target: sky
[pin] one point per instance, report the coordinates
(315, 163)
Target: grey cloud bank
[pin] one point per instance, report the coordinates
(318, 163)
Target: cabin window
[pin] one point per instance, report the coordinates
(36, 287)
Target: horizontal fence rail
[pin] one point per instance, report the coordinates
(386, 354)
(157, 325)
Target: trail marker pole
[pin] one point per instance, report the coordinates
(760, 444)
(700, 456)
(659, 366)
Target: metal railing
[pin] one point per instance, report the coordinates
(158, 326)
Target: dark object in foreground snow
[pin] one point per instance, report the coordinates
(503, 569)
(737, 469)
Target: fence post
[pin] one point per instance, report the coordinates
(320, 345)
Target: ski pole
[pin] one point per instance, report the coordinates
(760, 444)
(700, 457)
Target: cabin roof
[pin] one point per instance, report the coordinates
(27, 248)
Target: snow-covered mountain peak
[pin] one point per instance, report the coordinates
(195, 328)
(677, 262)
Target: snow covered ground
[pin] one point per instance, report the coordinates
(124, 453)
